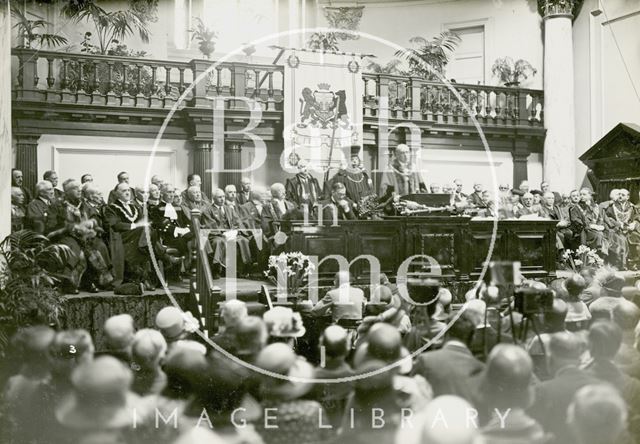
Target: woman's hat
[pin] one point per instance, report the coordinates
(283, 322)
(279, 358)
(100, 398)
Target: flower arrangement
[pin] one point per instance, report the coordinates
(288, 271)
(583, 257)
(369, 207)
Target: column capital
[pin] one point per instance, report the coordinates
(203, 145)
(559, 8)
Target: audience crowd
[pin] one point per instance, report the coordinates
(406, 367)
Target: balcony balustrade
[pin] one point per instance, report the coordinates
(119, 82)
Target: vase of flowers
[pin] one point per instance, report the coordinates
(583, 257)
(369, 207)
(205, 36)
(289, 272)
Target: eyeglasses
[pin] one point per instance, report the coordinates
(503, 188)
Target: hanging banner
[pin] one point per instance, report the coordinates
(322, 108)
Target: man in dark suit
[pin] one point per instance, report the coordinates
(17, 181)
(52, 177)
(244, 195)
(194, 180)
(38, 208)
(173, 227)
(552, 398)
(276, 214)
(338, 207)
(194, 200)
(545, 187)
(252, 214)
(450, 369)
(475, 198)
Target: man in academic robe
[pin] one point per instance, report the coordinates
(627, 219)
(38, 208)
(230, 196)
(355, 179)
(403, 177)
(224, 220)
(194, 180)
(587, 219)
(276, 216)
(303, 188)
(129, 246)
(65, 225)
(244, 195)
(526, 207)
(17, 181)
(338, 207)
(459, 197)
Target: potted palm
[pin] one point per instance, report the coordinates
(428, 58)
(28, 293)
(205, 36)
(512, 73)
(31, 31)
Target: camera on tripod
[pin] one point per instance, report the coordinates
(531, 301)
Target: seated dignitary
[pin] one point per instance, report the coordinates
(337, 207)
(303, 188)
(230, 196)
(18, 211)
(172, 226)
(129, 245)
(276, 215)
(251, 213)
(526, 206)
(625, 219)
(194, 180)
(550, 210)
(17, 181)
(224, 222)
(52, 177)
(587, 219)
(244, 195)
(38, 208)
(194, 200)
(123, 177)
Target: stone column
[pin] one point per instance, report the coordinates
(203, 162)
(232, 161)
(5, 121)
(27, 159)
(559, 146)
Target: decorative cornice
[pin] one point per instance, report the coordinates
(344, 17)
(556, 8)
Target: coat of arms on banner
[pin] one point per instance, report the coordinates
(323, 107)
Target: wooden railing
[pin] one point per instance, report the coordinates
(57, 77)
(414, 99)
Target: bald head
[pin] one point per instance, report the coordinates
(508, 376)
(626, 315)
(334, 339)
(277, 191)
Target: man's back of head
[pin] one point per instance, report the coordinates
(597, 415)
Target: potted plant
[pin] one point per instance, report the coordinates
(430, 56)
(290, 273)
(28, 293)
(205, 36)
(29, 30)
(512, 73)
